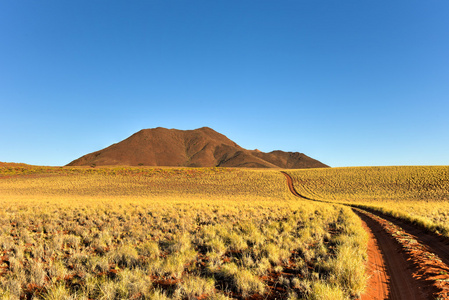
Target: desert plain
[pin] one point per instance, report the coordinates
(123, 231)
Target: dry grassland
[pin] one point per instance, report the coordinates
(418, 194)
(152, 233)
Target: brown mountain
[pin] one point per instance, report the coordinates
(201, 147)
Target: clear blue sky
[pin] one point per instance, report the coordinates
(350, 83)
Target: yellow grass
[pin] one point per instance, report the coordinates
(419, 194)
(143, 233)
(142, 183)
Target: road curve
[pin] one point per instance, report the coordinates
(292, 188)
(392, 272)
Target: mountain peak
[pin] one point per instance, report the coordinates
(202, 147)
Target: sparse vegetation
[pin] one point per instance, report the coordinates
(151, 233)
(416, 194)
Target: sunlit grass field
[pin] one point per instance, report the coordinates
(419, 194)
(66, 185)
(164, 233)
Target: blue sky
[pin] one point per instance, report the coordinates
(350, 83)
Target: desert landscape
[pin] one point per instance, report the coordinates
(189, 214)
(225, 149)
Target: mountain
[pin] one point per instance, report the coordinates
(201, 147)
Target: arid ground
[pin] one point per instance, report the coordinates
(223, 233)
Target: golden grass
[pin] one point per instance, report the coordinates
(419, 194)
(141, 183)
(167, 233)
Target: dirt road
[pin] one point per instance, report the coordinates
(404, 262)
(394, 266)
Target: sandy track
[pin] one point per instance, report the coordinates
(400, 271)
(292, 188)
(435, 243)
(378, 282)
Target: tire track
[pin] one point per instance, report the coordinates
(292, 188)
(378, 282)
(400, 271)
(401, 284)
(437, 244)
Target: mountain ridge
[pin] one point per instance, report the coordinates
(202, 147)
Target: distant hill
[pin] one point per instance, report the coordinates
(14, 165)
(201, 147)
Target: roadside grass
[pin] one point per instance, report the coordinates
(153, 233)
(416, 194)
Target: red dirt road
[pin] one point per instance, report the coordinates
(378, 283)
(394, 266)
(404, 262)
(427, 266)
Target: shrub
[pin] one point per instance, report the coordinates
(98, 264)
(57, 270)
(194, 286)
(217, 246)
(37, 274)
(131, 283)
(324, 291)
(348, 271)
(126, 256)
(172, 265)
(149, 249)
(242, 280)
(58, 292)
(247, 284)
(157, 294)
